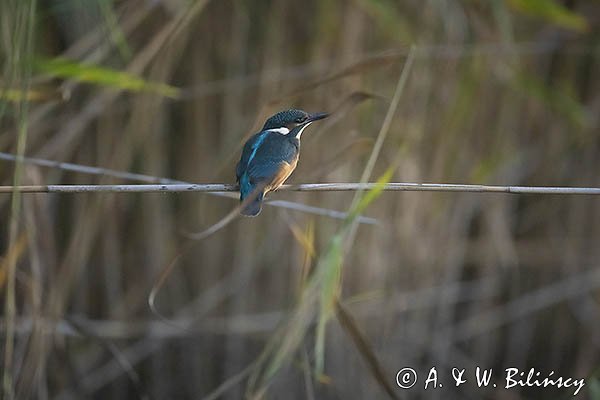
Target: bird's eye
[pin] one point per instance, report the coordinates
(300, 119)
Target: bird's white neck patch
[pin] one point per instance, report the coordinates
(283, 130)
(302, 129)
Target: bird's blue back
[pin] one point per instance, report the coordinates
(262, 157)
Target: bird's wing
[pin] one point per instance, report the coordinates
(242, 165)
(265, 170)
(273, 162)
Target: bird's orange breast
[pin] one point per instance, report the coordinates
(284, 172)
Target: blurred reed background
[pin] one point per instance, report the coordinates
(500, 92)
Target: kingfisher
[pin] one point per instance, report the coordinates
(270, 156)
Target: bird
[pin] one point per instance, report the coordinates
(270, 156)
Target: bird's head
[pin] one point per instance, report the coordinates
(292, 121)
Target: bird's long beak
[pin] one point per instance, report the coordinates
(297, 131)
(317, 116)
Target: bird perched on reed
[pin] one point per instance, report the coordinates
(270, 156)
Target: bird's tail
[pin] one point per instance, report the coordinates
(253, 208)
